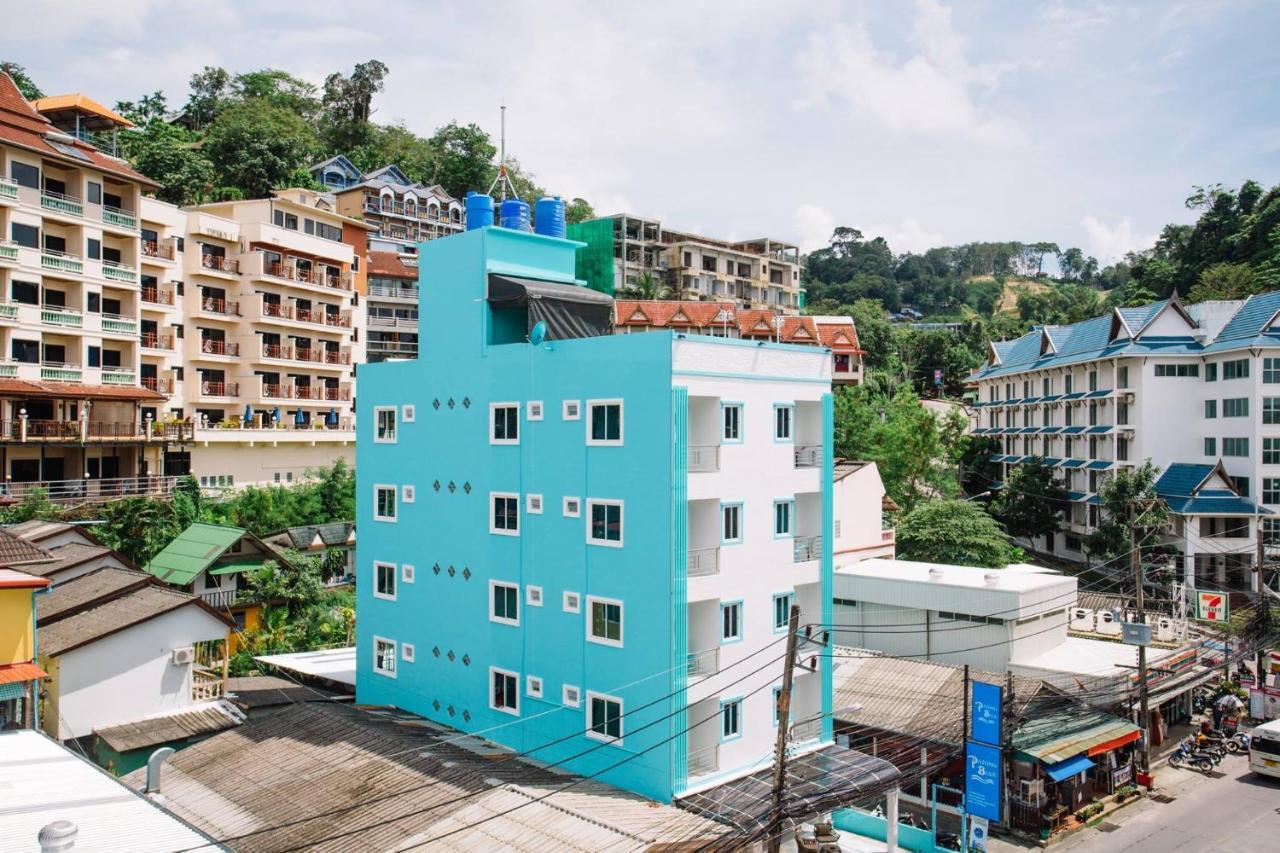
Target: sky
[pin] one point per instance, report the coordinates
(924, 122)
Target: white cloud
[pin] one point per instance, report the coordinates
(907, 236)
(1109, 243)
(814, 226)
(1076, 18)
(935, 92)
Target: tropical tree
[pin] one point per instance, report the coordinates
(1031, 502)
(348, 104)
(170, 155)
(257, 146)
(26, 86)
(463, 158)
(1224, 281)
(1131, 515)
(578, 210)
(956, 532)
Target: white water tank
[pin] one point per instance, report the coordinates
(1107, 624)
(1082, 619)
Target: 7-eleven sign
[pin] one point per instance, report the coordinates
(1212, 606)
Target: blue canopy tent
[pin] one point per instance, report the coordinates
(299, 418)
(275, 415)
(248, 413)
(331, 419)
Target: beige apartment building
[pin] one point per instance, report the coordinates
(753, 274)
(250, 329)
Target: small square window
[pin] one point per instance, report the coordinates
(384, 657)
(504, 603)
(385, 432)
(408, 413)
(406, 494)
(572, 410)
(384, 580)
(533, 686)
(533, 504)
(572, 602)
(533, 595)
(384, 503)
(504, 513)
(605, 623)
(406, 652)
(571, 696)
(533, 410)
(605, 523)
(504, 691)
(406, 573)
(604, 422)
(572, 507)
(504, 423)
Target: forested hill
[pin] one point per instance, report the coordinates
(998, 290)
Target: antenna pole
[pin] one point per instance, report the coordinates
(502, 155)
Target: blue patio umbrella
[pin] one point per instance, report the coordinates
(299, 418)
(331, 419)
(248, 413)
(275, 415)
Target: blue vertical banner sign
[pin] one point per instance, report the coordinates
(982, 786)
(984, 711)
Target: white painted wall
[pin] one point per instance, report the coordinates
(130, 675)
(859, 515)
(258, 464)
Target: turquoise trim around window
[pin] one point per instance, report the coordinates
(737, 638)
(790, 438)
(741, 425)
(724, 703)
(741, 516)
(785, 599)
(784, 526)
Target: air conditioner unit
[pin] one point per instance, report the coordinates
(1032, 789)
(184, 656)
(1164, 629)
(1108, 623)
(1082, 619)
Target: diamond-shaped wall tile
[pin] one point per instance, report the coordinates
(435, 404)
(436, 651)
(436, 704)
(466, 487)
(466, 660)
(466, 715)
(451, 711)
(436, 485)
(466, 402)
(466, 573)
(451, 403)
(453, 487)
(436, 568)
(452, 571)
(451, 656)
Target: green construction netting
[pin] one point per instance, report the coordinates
(595, 260)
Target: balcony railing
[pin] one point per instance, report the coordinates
(703, 562)
(392, 349)
(277, 351)
(704, 762)
(156, 249)
(119, 325)
(219, 599)
(91, 491)
(56, 315)
(275, 309)
(51, 259)
(55, 372)
(154, 340)
(211, 346)
(219, 263)
(808, 456)
(704, 458)
(206, 685)
(220, 306)
(321, 356)
(806, 548)
(704, 664)
(158, 385)
(220, 389)
(8, 188)
(156, 296)
(118, 376)
(119, 272)
(277, 392)
(61, 203)
(120, 218)
(393, 292)
(306, 275)
(8, 250)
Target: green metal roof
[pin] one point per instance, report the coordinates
(236, 565)
(1056, 736)
(193, 551)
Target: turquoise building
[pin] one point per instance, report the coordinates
(585, 547)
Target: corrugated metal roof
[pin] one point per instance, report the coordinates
(113, 615)
(406, 774)
(1056, 736)
(215, 717)
(74, 594)
(43, 781)
(193, 551)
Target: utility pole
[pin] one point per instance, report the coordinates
(964, 708)
(1135, 557)
(1264, 606)
(784, 721)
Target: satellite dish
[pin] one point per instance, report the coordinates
(538, 333)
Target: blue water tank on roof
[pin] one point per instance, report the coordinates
(479, 210)
(514, 214)
(548, 217)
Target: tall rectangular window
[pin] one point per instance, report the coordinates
(504, 513)
(731, 622)
(1210, 408)
(1271, 451)
(605, 717)
(1270, 410)
(1271, 371)
(732, 422)
(1211, 446)
(1211, 372)
(731, 719)
(386, 425)
(504, 691)
(605, 522)
(782, 611)
(384, 656)
(384, 580)
(384, 503)
(504, 603)
(731, 524)
(782, 417)
(1122, 376)
(504, 423)
(604, 418)
(1271, 490)
(782, 512)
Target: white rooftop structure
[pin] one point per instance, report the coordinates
(337, 665)
(42, 782)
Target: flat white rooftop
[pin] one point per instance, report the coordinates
(42, 781)
(333, 664)
(1012, 579)
(1083, 656)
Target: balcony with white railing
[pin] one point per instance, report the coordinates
(61, 203)
(404, 324)
(8, 311)
(704, 761)
(125, 219)
(119, 376)
(91, 490)
(57, 315)
(806, 548)
(382, 291)
(206, 685)
(8, 189)
(116, 271)
(8, 251)
(703, 562)
(58, 372)
(704, 458)
(56, 261)
(703, 664)
(117, 325)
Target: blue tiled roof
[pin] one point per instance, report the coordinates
(1181, 479)
(1179, 487)
(1252, 317)
(1136, 318)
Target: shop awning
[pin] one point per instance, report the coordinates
(20, 672)
(1070, 767)
(569, 310)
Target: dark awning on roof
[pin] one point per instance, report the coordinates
(570, 311)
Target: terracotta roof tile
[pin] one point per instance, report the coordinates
(671, 313)
(390, 264)
(16, 551)
(755, 323)
(73, 390)
(840, 337)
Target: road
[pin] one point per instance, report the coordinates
(1238, 813)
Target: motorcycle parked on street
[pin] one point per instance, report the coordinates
(1184, 755)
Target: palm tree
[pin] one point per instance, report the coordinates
(649, 286)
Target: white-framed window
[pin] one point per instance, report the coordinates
(730, 621)
(571, 410)
(533, 504)
(384, 656)
(571, 696)
(604, 423)
(783, 417)
(406, 652)
(504, 423)
(730, 524)
(406, 573)
(504, 691)
(604, 522)
(384, 580)
(533, 410)
(504, 513)
(384, 503)
(406, 494)
(572, 507)
(731, 423)
(504, 603)
(604, 622)
(730, 719)
(784, 510)
(385, 420)
(782, 611)
(604, 717)
(533, 686)
(533, 595)
(572, 602)
(408, 412)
